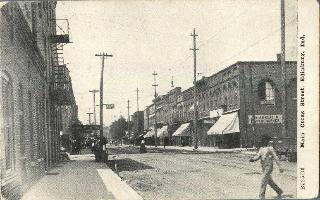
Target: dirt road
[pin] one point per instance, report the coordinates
(171, 174)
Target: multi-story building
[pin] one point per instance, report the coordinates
(237, 105)
(32, 110)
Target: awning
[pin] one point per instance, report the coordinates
(183, 130)
(227, 123)
(163, 132)
(149, 134)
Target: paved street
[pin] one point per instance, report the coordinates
(178, 174)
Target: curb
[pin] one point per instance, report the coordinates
(120, 189)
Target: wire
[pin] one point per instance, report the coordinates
(253, 44)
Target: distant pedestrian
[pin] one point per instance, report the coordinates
(143, 147)
(267, 155)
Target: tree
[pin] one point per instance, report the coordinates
(118, 128)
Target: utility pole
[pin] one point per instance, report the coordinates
(103, 55)
(172, 85)
(89, 113)
(195, 124)
(137, 133)
(94, 107)
(283, 71)
(128, 117)
(137, 99)
(155, 107)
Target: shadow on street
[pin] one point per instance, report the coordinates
(127, 164)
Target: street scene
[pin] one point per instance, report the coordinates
(148, 100)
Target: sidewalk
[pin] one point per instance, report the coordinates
(208, 149)
(81, 178)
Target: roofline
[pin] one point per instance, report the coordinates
(248, 62)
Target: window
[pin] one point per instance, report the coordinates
(7, 113)
(33, 18)
(266, 92)
(39, 10)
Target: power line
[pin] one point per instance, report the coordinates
(253, 44)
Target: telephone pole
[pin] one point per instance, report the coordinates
(155, 107)
(283, 71)
(104, 56)
(195, 101)
(137, 99)
(94, 107)
(172, 85)
(129, 117)
(89, 114)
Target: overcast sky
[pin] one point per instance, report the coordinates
(147, 36)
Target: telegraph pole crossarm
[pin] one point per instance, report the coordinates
(89, 114)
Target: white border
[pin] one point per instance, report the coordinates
(308, 156)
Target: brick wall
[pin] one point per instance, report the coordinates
(21, 61)
(251, 103)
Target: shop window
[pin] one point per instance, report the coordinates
(7, 113)
(266, 92)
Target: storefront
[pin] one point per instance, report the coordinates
(163, 135)
(183, 135)
(225, 132)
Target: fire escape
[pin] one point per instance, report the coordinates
(60, 86)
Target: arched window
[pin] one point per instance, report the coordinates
(266, 92)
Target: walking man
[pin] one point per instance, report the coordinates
(266, 155)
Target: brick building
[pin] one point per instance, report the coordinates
(234, 97)
(30, 115)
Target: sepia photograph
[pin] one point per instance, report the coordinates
(159, 99)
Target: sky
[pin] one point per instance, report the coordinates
(148, 36)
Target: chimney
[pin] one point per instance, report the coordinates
(279, 57)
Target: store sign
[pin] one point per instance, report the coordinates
(109, 106)
(266, 119)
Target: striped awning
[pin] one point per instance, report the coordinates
(183, 130)
(227, 123)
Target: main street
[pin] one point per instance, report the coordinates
(179, 174)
